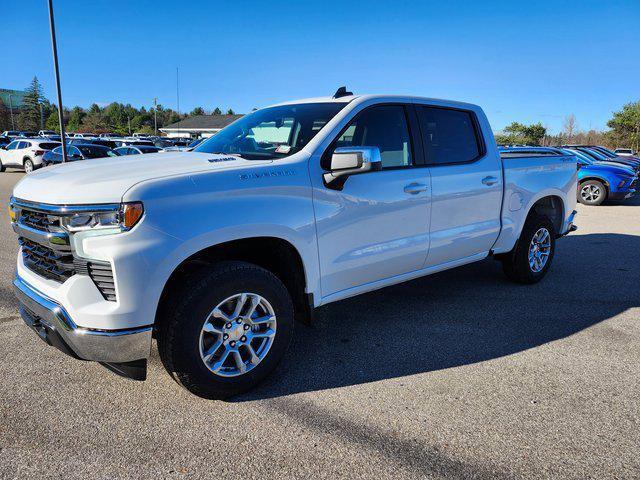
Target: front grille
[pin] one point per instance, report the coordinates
(59, 264)
(46, 262)
(40, 221)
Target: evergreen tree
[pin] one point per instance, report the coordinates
(29, 118)
(217, 111)
(230, 112)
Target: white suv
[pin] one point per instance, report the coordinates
(25, 153)
(624, 152)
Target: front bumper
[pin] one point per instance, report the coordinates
(55, 326)
(622, 194)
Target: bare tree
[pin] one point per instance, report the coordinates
(569, 127)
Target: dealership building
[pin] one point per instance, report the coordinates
(199, 126)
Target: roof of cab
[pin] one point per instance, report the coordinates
(362, 98)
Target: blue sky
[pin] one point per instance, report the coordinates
(527, 61)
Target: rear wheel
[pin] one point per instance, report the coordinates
(227, 330)
(592, 192)
(531, 258)
(28, 165)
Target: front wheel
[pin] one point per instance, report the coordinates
(227, 330)
(531, 258)
(592, 192)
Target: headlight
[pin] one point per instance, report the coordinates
(124, 218)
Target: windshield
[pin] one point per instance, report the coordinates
(274, 132)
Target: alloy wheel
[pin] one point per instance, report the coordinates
(590, 193)
(237, 335)
(539, 250)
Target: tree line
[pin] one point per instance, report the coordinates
(624, 131)
(37, 112)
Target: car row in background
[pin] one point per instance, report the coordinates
(602, 175)
(44, 148)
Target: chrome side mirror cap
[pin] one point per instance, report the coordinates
(347, 161)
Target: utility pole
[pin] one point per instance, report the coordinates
(57, 70)
(155, 116)
(178, 90)
(41, 118)
(13, 125)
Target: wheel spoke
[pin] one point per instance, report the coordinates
(211, 328)
(253, 358)
(242, 299)
(266, 334)
(217, 313)
(255, 301)
(206, 356)
(262, 320)
(218, 365)
(239, 362)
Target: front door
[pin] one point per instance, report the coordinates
(377, 226)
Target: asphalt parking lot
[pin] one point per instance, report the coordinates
(457, 375)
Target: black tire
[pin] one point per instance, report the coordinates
(28, 165)
(516, 264)
(592, 192)
(180, 324)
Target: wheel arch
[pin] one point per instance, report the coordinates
(551, 206)
(275, 254)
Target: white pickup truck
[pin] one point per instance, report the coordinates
(215, 252)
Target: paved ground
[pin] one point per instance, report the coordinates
(458, 375)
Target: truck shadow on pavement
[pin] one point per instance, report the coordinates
(459, 317)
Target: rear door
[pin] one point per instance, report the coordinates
(466, 196)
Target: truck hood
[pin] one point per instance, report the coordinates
(105, 180)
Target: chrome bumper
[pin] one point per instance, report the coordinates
(54, 325)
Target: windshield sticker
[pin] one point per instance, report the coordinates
(283, 149)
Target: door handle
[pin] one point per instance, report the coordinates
(489, 180)
(415, 188)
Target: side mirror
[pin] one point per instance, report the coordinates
(347, 161)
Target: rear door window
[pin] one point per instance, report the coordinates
(448, 135)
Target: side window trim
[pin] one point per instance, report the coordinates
(482, 147)
(324, 159)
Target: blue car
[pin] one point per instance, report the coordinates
(601, 181)
(600, 155)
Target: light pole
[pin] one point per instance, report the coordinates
(155, 116)
(178, 91)
(13, 126)
(54, 47)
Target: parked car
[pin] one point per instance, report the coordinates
(46, 133)
(12, 133)
(602, 157)
(602, 181)
(83, 151)
(215, 252)
(108, 135)
(25, 153)
(123, 142)
(624, 152)
(137, 150)
(93, 141)
(163, 143)
(187, 148)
